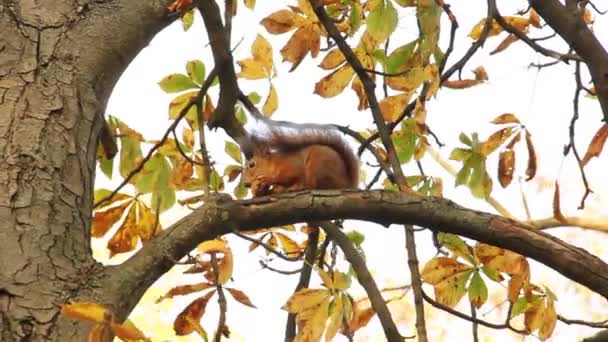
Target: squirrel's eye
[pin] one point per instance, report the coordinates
(251, 164)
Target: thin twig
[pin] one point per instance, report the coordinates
(221, 323)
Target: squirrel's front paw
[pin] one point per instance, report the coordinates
(260, 186)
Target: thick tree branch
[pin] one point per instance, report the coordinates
(128, 281)
(568, 23)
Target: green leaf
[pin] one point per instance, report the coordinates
(520, 306)
(382, 21)
(406, 3)
(464, 175)
(106, 166)
(216, 182)
(438, 55)
(254, 97)
(163, 199)
(241, 117)
(196, 71)
(465, 139)
(478, 291)
(130, 155)
(457, 246)
(176, 82)
(491, 273)
(356, 237)
(355, 17)
(187, 20)
(155, 175)
(460, 154)
(233, 151)
(400, 56)
(240, 191)
(232, 172)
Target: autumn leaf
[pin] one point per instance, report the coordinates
(196, 71)
(272, 102)
(104, 220)
(506, 167)
(260, 65)
(306, 39)
(186, 322)
(549, 321)
(86, 311)
(183, 290)
(478, 291)
(460, 84)
(533, 317)
(510, 39)
(282, 21)
(392, 106)
(505, 118)
(334, 83)
(557, 211)
(596, 145)
(382, 21)
(176, 82)
(240, 297)
(531, 169)
(335, 318)
(333, 59)
(448, 278)
(127, 331)
(495, 140)
(305, 299)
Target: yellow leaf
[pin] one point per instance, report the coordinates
(439, 269)
(333, 59)
(282, 21)
(335, 319)
(312, 322)
(495, 140)
(148, 225)
(212, 246)
(495, 29)
(357, 86)
(334, 83)
(408, 82)
(392, 106)
(261, 51)
(534, 316)
(452, 289)
(549, 320)
(340, 281)
(252, 69)
(226, 266)
(306, 39)
(250, 4)
(305, 299)
(86, 311)
(327, 281)
(272, 102)
(432, 76)
(128, 331)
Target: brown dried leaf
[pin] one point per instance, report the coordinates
(510, 39)
(282, 21)
(506, 166)
(240, 297)
(531, 169)
(557, 211)
(461, 84)
(185, 290)
(596, 145)
(104, 220)
(185, 322)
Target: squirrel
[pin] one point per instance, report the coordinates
(295, 157)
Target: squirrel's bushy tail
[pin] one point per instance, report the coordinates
(286, 136)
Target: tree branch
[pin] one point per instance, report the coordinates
(126, 283)
(568, 23)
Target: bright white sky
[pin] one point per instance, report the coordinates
(542, 100)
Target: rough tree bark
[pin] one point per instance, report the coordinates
(59, 61)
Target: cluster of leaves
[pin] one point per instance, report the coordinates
(452, 279)
(188, 321)
(473, 157)
(104, 326)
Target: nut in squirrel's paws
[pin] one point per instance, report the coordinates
(260, 186)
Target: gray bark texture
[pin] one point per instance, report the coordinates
(59, 61)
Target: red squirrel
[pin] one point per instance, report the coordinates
(295, 157)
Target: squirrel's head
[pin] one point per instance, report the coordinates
(257, 164)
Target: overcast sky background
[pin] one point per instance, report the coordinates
(542, 100)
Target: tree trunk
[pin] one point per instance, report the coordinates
(58, 63)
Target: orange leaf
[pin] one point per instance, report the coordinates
(332, 60)
(128, 331)
(461, 84)
(531, 169)
(85, 311)
(496, 139)
(184, 290)
(125, 239)
(392, 106)
(515, 284)
(240, 297)
(510, 39)
(505, 118)
(104, 220)
(361, 317)
(184, 323)
(149, 224)
(506, 165)
(100, 333)
(596, 145)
